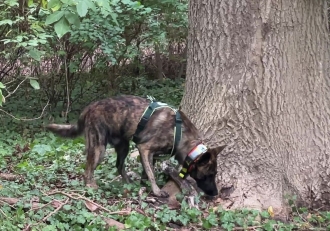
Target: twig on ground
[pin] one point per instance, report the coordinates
(56, 210)
(247, 228)
(116, 178)
(12, 201)
(9, 201)
(76, 196)
(3, 213)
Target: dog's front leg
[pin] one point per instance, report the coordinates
(147, 159)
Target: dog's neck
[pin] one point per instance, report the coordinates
(190, 138)
(185, 147)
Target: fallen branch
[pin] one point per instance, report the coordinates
(9, 177)
(34, 205)
(247, 228)
(111, 222)
(56, 210)
(76, 196)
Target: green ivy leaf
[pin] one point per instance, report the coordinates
(41, 149)
(81, 219)
(206, 224)
(82, 8)
(34, 84)
(54, 17)
(35, 54)
(62, 27)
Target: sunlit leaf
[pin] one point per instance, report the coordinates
(29, 3)
(34, 84)
(54, 4)
(44, 4)
(270, 211)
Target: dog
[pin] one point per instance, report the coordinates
(114, 121)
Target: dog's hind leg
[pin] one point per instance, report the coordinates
(122, 149)
(95, 149)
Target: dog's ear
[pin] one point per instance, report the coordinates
(215, 151)
(209, 155)
(204, 159)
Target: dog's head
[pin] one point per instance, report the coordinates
(205, 170)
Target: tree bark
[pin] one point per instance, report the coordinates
(257, 80)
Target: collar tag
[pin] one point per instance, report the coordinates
(197, 151)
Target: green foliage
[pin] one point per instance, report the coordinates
(165, 90)
(62, 42)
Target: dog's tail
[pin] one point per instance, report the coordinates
(66, 130)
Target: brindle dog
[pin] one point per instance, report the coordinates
(114, 121)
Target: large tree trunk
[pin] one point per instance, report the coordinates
(257, 80)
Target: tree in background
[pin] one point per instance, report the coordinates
(257, 80)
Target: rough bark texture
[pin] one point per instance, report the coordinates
(257, 80)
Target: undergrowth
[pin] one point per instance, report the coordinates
(49, 174)
(46, 191)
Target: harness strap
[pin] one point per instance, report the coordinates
(153, 106)
(177, 131)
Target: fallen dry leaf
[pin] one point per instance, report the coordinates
(271, 211)
(111, 222)
(91, 206)
(56, 203)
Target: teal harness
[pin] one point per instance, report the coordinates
(153, 106)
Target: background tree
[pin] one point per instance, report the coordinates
(258, 81)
